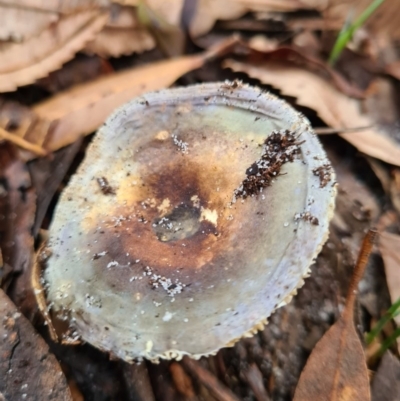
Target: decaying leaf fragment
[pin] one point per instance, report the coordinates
(23, 63)
(122, 34)
(28, 371)
(336, 369)
(17, 24)
(335, 108)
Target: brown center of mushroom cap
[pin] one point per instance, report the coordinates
(175, 213)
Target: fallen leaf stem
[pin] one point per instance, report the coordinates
(330, 131)
(22, 143)
(219, 391)
(359, 269)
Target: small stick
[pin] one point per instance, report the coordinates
(219, 391)
(137, 382)
(22, 143)
(254, 378)
(330, 131)
(359, 269)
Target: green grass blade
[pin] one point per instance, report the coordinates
(393, 311)
(347, 33)
(388, 342)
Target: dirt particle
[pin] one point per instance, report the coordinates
(307, 216)
(279, 148)
(324, 174)
(105, 187)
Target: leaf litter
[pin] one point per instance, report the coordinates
(64, 118)
(266, 364)
(336, 369)
(23, 63)
(28, 370)
(336, 109)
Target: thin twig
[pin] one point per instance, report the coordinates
(220, 392)
(330, 131)
(359, 269)
(22, 143)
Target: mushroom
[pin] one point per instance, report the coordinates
(196, 212)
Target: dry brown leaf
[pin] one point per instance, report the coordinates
(336, 109)
(336, 369)
(262, 43)
(393, 69)
(209, 11)
(115, 42)
(170, 10)
(386, 383)
(302, 58)
(17, 24)
(82, 109)
(62, 6)
(280, 5)
(389, 246)
(127, 2)
(170, 39)
(23, 63)
(27, 369)
(122, 35)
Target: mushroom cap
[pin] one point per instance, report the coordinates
(157, 252)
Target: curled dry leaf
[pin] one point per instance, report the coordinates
(209, 11)
(170, 10)
(23, 63)
(300, 57)
(18, 24)
(170, 38)
(335, 108)
(336, 368)
(79, 111)
(27, 369)
(122, 35)
(389, 246)
(115, 42)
